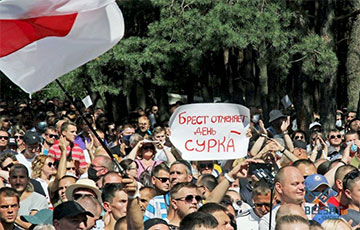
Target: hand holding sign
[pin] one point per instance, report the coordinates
(210, 131)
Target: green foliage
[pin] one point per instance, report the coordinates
(319, 61)
(175, 41)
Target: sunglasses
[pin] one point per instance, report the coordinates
(53, 136)
(7, 167)
(162, 179)
(19, 137)
(71, 168)
(260, 205)
(78, 196)
(298, 137)
(190, 198)
(350, 176)
(4, 137)
(333, 136)
(6, 120)
(51, 164)
(147, 148)
(203, 166)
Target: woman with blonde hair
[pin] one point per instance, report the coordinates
(44, 171)
(336, 224)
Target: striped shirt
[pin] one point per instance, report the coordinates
(77, 153)
(157, 207)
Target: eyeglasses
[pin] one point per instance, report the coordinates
(53, 136)
(71, 168)
(190, 198)
(4, 137)
(350, 176)
(6, 120)
(203, 166)
(333, 136)
(19, 137)
(51, 164)
(298, 137)
(7, 167)
(162, 179)
(260, 205)
(78, 196)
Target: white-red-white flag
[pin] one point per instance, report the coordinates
(40, 40)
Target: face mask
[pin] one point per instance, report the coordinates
(256, 118)
(71, 174)
(92, 174)
(126, 139)
(338, 123)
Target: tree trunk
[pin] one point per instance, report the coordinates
(263, 84)
(353, 62)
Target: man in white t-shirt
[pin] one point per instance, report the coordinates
(261, 195)
(289, 184)
(32, 149)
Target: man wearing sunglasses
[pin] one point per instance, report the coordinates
(184, 199)
(4, 139)
(160, 179)
(335, 140)
(49, 136)
(158, 207)
(351, 185)
(261, 194)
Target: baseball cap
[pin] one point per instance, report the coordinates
(313, 181)
(314, 124)
(69, 208)
(43, 216)
(31, 138)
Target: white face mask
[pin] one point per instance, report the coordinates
(338, 123)
(256, 118)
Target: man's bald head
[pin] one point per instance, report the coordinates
(290, 209)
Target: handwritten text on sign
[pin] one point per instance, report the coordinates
(210, 131)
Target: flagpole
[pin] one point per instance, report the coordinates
(121, 170)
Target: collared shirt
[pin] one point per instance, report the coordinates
(158, 207)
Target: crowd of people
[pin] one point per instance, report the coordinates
(62, 169)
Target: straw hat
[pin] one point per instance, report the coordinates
(83, 183)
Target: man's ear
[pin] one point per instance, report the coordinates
(190, 177)
(107, 206)
(278, 188)
(348, 194)
(339, 185)
(153, 180)
(173, 204)
(56, 224)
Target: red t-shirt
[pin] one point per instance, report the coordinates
(77, 153)
(332, 200)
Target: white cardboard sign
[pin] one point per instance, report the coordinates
(210, 131)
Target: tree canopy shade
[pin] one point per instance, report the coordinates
(248, 52)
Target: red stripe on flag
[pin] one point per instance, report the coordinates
(18, 33)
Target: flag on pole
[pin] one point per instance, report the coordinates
(40, 40)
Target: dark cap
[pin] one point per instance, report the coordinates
(299, 144)
(69, 208)
(31, 138)
(151, 222)
(275, 114)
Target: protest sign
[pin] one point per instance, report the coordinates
(210, 131)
